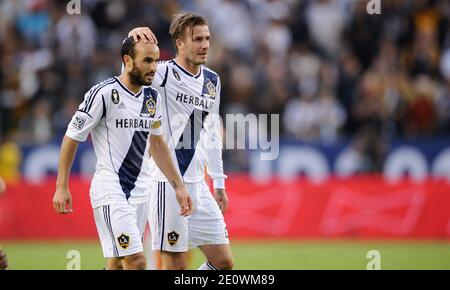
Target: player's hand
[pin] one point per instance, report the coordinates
(3, 261)
(62, 201)
(221, 198)
(143, 33)
(184, 200)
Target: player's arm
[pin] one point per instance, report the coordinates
(214, 154)
(143, 33)
(62, 200)
(215, 162)
(162, 157)
(89, 113)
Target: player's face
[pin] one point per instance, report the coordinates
(196, 46)
(144, 64)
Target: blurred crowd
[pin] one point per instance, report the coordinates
(327, 67)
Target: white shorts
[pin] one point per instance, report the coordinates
(121, 228)
(174, 233)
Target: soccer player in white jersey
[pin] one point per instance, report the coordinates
(190, 103)
(123, 115)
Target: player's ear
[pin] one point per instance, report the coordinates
(180, 43)
(128, 62)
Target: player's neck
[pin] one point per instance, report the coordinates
(129, 84)
(189, 66)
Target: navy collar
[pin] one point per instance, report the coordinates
(186, 72)
(127, 90)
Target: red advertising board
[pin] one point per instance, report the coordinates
(362, 207)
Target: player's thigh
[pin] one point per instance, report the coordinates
(142, 213)
(118, 230)
(207, 225)
(169, 230)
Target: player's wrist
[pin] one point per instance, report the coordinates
(178, 185)
(182, 187)
(62, 186)
(220, 191)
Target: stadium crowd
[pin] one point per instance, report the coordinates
(327, 67)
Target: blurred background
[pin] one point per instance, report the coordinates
(364, 106)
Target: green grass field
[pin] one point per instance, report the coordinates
(256, 254)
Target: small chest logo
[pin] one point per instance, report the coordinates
(172, 237)
(115, 96)
(121, 106)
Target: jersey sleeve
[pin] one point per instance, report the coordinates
(214, 149)
(156, 125)
(88, 115)
(161, 74)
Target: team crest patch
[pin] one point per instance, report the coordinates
(151, 107)
(78, 122)
(176, 75)
(173, 238)
(211, 90)
(124, 241)
(115, 96)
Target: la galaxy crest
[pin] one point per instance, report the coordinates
(151, 107)
(149, 104)
(124, 241)
(211, 89)
(115, 96)
(172, 237)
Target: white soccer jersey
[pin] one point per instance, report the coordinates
(119, 122)
(191, 129)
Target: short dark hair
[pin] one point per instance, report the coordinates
(127, 48)
(183, 22)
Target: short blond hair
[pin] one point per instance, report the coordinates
(184, 22)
